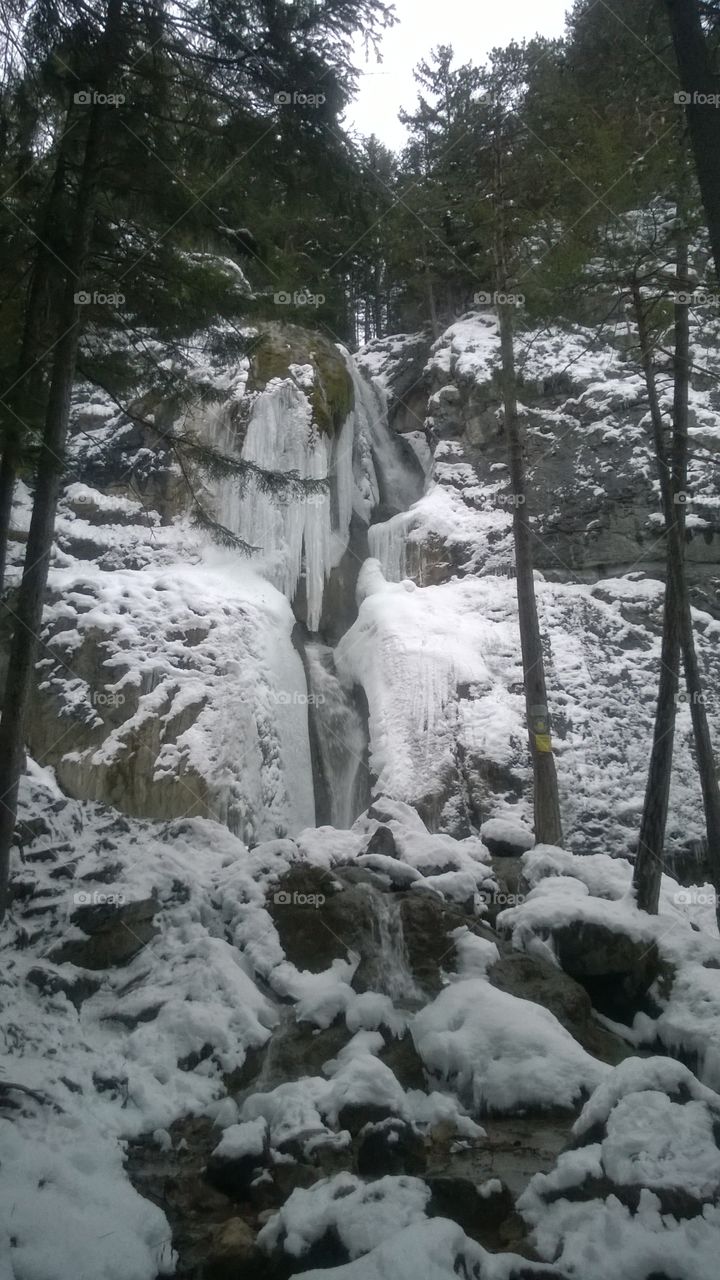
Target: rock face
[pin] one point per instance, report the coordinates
(618, 970)
(115, 934)
(595, 514)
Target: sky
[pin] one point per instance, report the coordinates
(472, 27)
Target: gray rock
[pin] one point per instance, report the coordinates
(393, 1147)
(116, 933)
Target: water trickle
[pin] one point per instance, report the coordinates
(389, 967)
(341, 739)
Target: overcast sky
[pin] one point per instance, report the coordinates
(472, 27)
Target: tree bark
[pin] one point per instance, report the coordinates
(647, 872)
(693, 681)
(546, 803)
(50, 468)
(697, 78)
(677, 623)
(25, 399)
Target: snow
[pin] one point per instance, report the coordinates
(501, 1053)
(434, 1249)
(440, 667)
(102, 1074)
(362, 1216)
(66, 1203)
(309, 1109)
(651, 1128)
(207, 643)
(567, 890)
(240, 1140)
(205, 713)
(514, 834)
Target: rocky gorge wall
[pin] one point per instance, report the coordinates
(176, 675)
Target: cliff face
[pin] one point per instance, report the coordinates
(175, 677)
(592, 491)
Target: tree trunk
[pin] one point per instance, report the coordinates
(677, 623)
(697, 78)
(546, 801)
(703, 744)
(24, 402)
(647, 873)
(50, 468)
(8, 474)
(548, 826)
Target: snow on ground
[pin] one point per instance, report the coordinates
(114, 1053)
(434, 1249)
(501, 1053)
(362, 1216)
(638, 1192)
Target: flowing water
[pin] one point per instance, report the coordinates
(341, 739)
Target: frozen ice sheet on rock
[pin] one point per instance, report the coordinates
(198, 656)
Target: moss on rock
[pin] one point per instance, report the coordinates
(280, 346)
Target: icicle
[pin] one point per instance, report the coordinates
(387, 543)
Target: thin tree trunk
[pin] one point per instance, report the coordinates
(546, 802)
(430, 289)
(24, 402)
(8, 476)
(703, 744)
(673, 479)
(697, 78)
(49, 474)
(647, 872)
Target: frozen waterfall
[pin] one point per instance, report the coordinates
(294, 534)
(400, 478)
